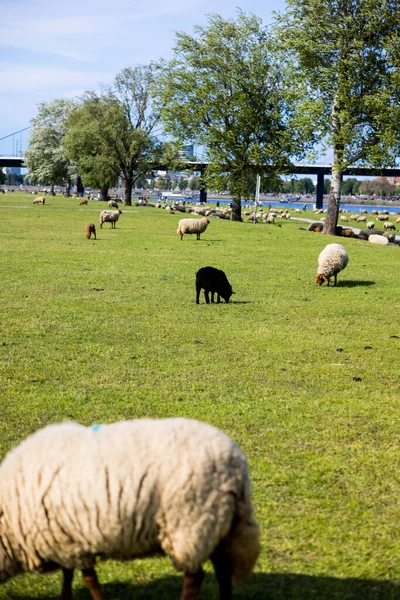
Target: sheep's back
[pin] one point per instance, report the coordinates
(332, 259)
(122, 491)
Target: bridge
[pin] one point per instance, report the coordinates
(296, 169)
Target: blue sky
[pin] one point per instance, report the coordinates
(60, 49)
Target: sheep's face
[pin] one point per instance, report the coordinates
(228, 295)
(320, 279)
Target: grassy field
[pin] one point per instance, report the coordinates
(305, 379)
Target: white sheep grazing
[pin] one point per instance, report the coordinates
(343, 218)
(370, 224)
(112, 204)
(361, 219)
(271, 218)
(39, 200)
(109, 216)
(331, 261)
(70, 493)
(378, 239)
(389, 225)
(196, 226)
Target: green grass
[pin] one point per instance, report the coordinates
(98, 331)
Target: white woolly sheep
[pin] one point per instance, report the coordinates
(271, 218)
(389, 225)
(378, 239)
(361, 219)
(109, 216)
(343, 218)
(382, 218)
(112, 204)
(39, 200)
(331, 261)
(370, 224)
(197, 226)
(70, 493)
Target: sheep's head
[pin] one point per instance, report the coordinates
(320, 279)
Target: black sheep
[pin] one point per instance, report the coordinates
(215, 281)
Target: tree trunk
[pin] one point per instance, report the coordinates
(334, 202)
(236, 209)
(67, 194)
(104, 193)
(52, 192)
(128, 191)
(337, 173)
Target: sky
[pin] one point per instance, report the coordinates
(54, 50)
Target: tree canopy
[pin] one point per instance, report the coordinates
(224, 90)
(46, 158)
(347, 53)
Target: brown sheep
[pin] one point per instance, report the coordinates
(82, 202)
(89, 229)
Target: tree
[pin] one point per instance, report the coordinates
(2, 177)
(111, 135)
(46, 158)
(347, 52)
(84, 143)
(350, 186)
(224, 91)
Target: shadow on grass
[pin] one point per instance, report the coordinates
(285, 586)
(355, 283)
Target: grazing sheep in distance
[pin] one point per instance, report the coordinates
(389, 225)
(361, 219)
(112, 204)
(215, 281)
(176, 486)
(382, 218)
(109, 216)
(331, 261)
(378, 239)
(343, 218)
(370, 224)
(89, 230)
(197, 226)
(82, 202)
(39, 200)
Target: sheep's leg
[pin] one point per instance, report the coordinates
(206, 296)
(335, 279)
(66, 593)
(223, 572)
(90, 578)
(218, 299)
(197, 236)
(191, 585)
(212, 297)
(198, 290)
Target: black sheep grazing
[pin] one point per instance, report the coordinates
(215, 281)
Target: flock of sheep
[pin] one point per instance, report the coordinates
(175, 486)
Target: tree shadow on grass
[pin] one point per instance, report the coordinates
(355, 283)
(260, 586)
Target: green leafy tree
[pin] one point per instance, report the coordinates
(112, 134)
(224, 90)
(350, 186)
(46, 157)
(2, 177)
(347, 52)
(85, 143)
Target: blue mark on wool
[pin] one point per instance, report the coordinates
(95, 427)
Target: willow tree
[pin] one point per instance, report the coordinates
(46, 158)
(347, 53)
(224, 90)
